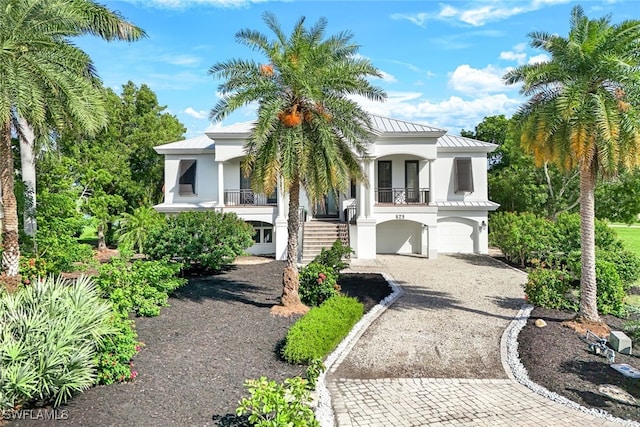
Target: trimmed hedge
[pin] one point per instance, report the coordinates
(319, 331)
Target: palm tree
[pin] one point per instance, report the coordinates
(47, 82)
(308, 132)
(583, 112)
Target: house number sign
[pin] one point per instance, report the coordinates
(400, 216)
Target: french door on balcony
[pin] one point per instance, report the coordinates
(247, 196)
(328, 207)
(412, 183)
(385, 188)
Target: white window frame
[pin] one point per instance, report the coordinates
(463, 175)
(187, 188)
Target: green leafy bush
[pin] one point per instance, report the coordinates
(334, 257)
(627, 265)
(273, 405)
(319, 331)
(205, 239)
(549, 288)
(567, 230)
(50, 334)
(138, 286)
(31, 269)
(313, 371)
(522, 237)
(610, 292)
(318, 283)
(115, 352)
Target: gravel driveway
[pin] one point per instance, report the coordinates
(448, 324)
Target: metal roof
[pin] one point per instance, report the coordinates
(381, 125)
(387, 125)
(199, 143)
(480, 204)
(454, 141)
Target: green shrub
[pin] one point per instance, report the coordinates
(610, 293)
(31, 269)
(549, 289)
(318, 283)
(313, 371)
(334, 257)
(115, 352)
(50, 334)
(139, 286)
(522, 237)
(272, 405)
(627, 264)
(567, 229)
(205, 239)
(319, 331)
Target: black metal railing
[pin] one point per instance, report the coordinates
(248, 198)
(402, 196)
(351, 213)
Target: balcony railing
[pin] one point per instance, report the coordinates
(402, 196)
(248, 198)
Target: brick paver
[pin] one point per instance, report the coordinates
(449, 402)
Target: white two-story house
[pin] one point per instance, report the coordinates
(426, 191)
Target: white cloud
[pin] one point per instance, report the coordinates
(519, 57)
(183, 4)
(472, 81)
(451, 114)
(180, 59)
(543, 57)
(388, 77)
(477, 15)
(196, 114)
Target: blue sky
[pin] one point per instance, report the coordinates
(442, 61)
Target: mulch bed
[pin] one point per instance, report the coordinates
(217, 332)
(557, 358)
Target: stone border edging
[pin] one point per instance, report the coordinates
(518, 372)
(324, 410)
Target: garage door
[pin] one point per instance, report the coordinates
(455, 237)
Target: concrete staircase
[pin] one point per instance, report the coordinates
(320, 234)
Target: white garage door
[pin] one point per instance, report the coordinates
(455, 237)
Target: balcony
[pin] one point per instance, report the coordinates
(402, 196)
(248, 198)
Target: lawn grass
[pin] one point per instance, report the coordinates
(89, 235)
(630, 236)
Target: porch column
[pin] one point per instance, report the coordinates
(361, 192)
(372, 188)
(281, 232)
(431, 186)
(281, 200)
(220, 184)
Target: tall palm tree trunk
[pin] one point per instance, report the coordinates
(11, 253)
(290, 279)
(588, 285)
(28, 172)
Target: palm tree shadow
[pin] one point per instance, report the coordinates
(419, 297)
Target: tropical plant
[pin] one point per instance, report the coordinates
(134, 228)
(113, 360)
(50, 334)
(309, 132)
(318, 283)
(47, 82)
(583, 114)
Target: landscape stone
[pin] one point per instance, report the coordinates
(616, 393)
(620, 342)
(540, 323)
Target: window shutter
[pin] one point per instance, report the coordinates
(187, 180)
(464, 175)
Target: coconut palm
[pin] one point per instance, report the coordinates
(47, 82)
(309, 133)
(583, 112)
